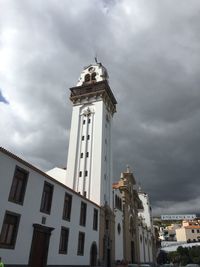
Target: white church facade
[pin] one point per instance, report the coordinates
(74, 216)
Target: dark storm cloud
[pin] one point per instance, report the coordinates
(151, 50)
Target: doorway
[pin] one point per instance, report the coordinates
(93, 254)
(132, 252)
(40, 245)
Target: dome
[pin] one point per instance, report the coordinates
(92, 74)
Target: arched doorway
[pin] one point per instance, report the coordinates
(93, 254)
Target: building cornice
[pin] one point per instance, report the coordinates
(97, 89)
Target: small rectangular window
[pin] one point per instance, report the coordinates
(83, 121)
(81, 241)
(87, 154)
(67, 207)
(64, 236)
(83, 213)
(95, 220)
(88, 137)
(192, 231)
(9, 230)
(46, 198)
(89, 120)
(86, 173)
(83, 137)
(81, 155)
(18, 187)
(80, 173)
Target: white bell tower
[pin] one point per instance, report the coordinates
(89, 164)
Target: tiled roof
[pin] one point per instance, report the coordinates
(192, 227)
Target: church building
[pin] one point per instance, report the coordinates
(74, 216)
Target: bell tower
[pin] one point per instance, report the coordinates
(89, 164)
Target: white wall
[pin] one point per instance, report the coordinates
(146, 213)
(145, 230)
(98, 183)
(30, 213)
(58, 174)
(145, 245)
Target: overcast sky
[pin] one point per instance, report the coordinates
(151, 50)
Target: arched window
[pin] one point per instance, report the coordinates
(119, 228)
(94, 76)
(87, 77)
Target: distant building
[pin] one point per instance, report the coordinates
(189, 232)
(168, 233)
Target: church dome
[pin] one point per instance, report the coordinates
(92, 74)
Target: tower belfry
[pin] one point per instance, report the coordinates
(89, 165)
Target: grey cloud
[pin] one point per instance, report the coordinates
(151, 51)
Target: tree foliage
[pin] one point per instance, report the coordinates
(182, 256)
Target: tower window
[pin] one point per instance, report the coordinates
(88, 137)
(86, 173)
(89, 120)
(83, 137)
(94, 76)
(87, 77)
(87, 154)
(81, 155)
(83, 121)
(80, 173)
